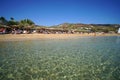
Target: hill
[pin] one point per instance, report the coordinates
(88, 27)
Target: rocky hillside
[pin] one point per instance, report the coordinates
(89, 27)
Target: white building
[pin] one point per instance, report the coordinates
(119, 30)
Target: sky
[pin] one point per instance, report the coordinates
(54, 12)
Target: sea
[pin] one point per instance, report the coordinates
(82, 58)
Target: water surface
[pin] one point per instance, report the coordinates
(84, 58)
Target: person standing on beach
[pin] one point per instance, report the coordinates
(95, 34)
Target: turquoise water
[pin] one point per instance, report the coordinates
(85, 58)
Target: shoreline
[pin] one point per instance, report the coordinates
(19, 37)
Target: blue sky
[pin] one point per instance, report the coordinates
(53, 12)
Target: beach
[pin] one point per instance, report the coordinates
(17, 37)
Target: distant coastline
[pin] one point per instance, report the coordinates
(27, 26)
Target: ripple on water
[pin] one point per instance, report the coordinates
(95, 58)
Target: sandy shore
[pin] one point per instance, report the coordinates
(16, 37)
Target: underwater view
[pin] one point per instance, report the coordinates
(83, 58)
